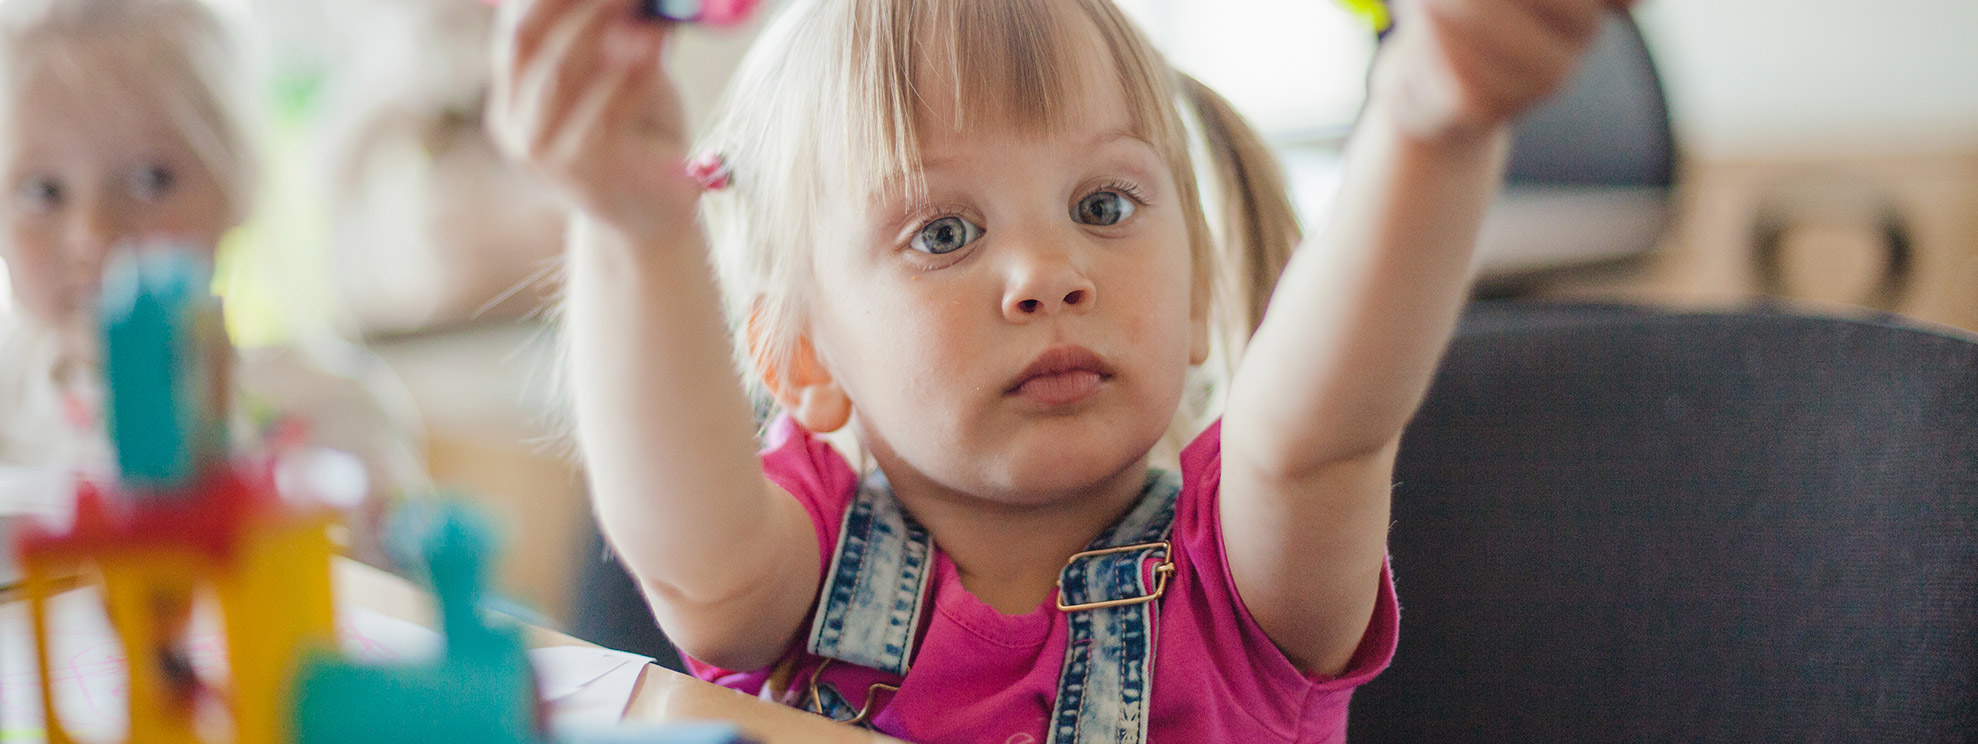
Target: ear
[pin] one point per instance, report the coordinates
(802, 385)
(811, 395)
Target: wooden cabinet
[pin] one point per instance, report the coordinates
(1891, 233)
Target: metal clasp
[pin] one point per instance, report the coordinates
(865, 711)
(1161, 573)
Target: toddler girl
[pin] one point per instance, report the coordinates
(122, 123)
(968, 232)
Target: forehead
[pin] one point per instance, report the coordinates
(998, 68)
(956, 69)
(76, 109)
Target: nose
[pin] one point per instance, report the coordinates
(93, 226)
(1045, 281)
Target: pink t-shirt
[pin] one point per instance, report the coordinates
(982, 676)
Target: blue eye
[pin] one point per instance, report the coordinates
(1103, 208)
(945, 235)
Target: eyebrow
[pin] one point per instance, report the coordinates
(1103, 139)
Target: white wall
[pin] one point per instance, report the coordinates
(1789, 77)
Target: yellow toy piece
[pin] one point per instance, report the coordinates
(1374, 12)
(267, 566)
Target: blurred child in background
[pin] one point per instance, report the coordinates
(124, 124)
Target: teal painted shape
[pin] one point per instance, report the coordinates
(150, 309)
(481, 689)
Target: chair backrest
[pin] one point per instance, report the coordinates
(1608, 127)
(1591, 171)
(1616, 525)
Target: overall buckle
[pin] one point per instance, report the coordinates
(1161, 573)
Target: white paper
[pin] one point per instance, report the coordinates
(42, 495)
(586, 685)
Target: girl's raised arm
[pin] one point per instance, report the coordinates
(1362, 313)
(727, 560)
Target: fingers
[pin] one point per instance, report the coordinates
(564, 66)
(612, 98)
(1464, 65)
(560, 56)
(532, 22)
(580, 98)
(1572, 20)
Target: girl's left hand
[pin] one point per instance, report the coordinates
(1458, 69)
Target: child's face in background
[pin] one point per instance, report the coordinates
(89, 170)
(1067, 249)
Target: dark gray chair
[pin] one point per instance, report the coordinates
(1623, 525)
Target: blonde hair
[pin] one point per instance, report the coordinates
(180, 53)
(827, 97)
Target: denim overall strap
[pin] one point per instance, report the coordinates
(869, 609)
(1105, 593)
(870, 605)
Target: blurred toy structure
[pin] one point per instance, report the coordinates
(188, 518)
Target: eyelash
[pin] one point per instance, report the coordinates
(925, 219)
(1125, 189)
(921, 223)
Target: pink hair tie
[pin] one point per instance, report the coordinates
(726, 12)
(710, 171)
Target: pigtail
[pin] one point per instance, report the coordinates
(1248, 206)
(1245, 231)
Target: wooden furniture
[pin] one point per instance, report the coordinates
(1816, 229)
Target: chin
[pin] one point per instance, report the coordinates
(1049, 468)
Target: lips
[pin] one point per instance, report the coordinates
(1061, 375)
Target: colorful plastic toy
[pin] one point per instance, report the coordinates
(187, 518)
(705, 12)
(480, 690)
(184, 519)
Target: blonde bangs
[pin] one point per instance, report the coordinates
(825, 113)
(1011, 65)
(177, 54)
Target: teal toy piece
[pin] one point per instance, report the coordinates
(164, 357)
(481, 690)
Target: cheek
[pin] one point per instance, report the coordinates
(200, 214)
(1158, 295)
(893, 340)
(35, 268)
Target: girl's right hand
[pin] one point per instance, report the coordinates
(580, 97)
